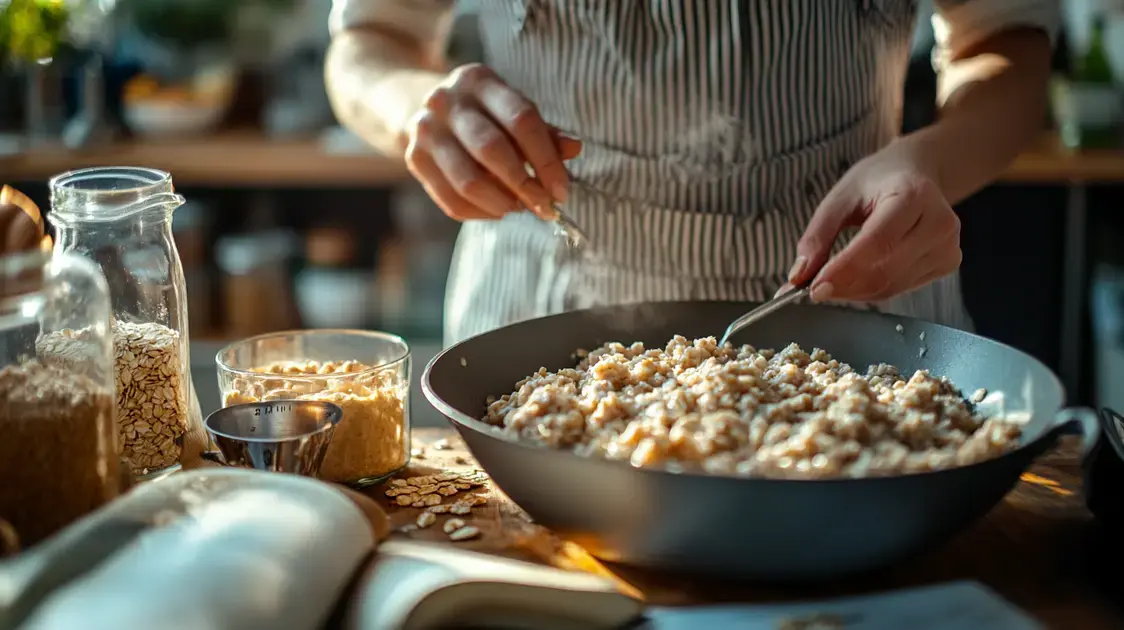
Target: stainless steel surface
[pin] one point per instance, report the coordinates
(749, 528)
(766, 309)
(288, 436)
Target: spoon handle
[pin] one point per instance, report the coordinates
(766, 309)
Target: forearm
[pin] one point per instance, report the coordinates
(993, 102)
(377, 80)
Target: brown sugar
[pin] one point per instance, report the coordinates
(57, 459)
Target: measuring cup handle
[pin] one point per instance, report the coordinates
(214, 457)
(9, 539)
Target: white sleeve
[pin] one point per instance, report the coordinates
(961, 24)
(427, 20)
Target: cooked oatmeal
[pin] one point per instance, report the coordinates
(743, 411)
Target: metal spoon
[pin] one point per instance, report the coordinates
(565, 226)
(766, 309)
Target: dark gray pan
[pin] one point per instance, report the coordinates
(761, 529)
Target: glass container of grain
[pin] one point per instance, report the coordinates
(121, 218)
(366, 373)
(58, 457)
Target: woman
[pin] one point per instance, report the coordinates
(711, 149)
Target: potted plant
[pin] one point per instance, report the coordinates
(32, 35)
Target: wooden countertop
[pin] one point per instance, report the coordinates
(1031, 548)
(246, 159)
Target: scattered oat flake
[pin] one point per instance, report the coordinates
(464, 362)
(460, 461)
(425, 519)
(922, 336)
(460, 509)
(417, 453)
(442, 445)
(453, 525)
(465, 533)
(473, 499)
(922, 351)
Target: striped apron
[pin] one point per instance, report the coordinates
(711, 128)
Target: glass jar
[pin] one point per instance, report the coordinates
(121, 218)
(58, 457)
(366, 373)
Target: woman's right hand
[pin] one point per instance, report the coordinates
(471, 141)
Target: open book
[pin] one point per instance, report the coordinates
(413, 585)
(424, 586)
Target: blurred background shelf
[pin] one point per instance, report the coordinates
(1051, 162)
(244, 158)
(239, 158)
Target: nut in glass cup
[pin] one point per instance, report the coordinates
(367, 374)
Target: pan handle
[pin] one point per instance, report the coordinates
(1112, 424)
(1079, 421)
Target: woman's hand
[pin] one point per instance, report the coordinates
(909, 235)
(470, 144)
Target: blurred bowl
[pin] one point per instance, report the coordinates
(164, 118)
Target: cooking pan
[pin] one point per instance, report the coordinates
(757, 529)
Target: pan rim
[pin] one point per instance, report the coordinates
(1048, 435)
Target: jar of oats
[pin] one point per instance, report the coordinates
(58, 459)
(366, 373)
(121, 218)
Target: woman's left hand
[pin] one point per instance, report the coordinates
(909, 235)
